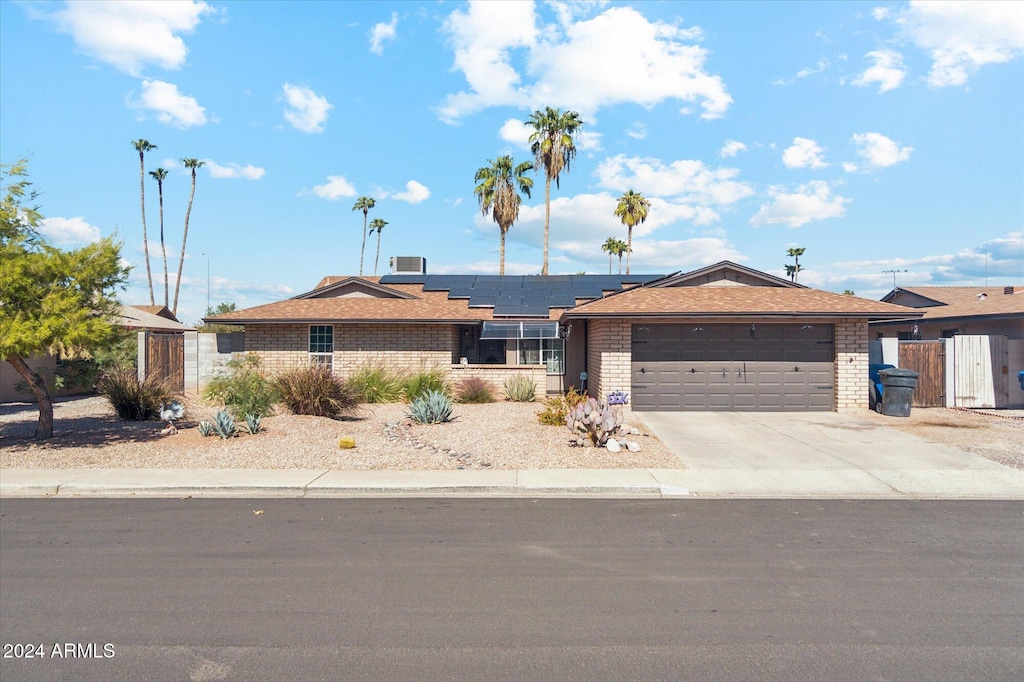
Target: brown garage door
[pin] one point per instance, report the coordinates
(741, 367)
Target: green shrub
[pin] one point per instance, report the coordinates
(520, 389)
(315, 390)
(556, 408)
(475, 390)
(134, 400)
(433, 407)
(375, 383)
(243, 389)
(419, 383)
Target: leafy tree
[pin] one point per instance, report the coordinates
(849, 292)
(363, 204)
(632, 210)
(143, 146)
(160, 175)
(553, 149)
(213, 328)
(51, 301)
(496, 191)
(377, 225)
(794, 270)
(191, 164)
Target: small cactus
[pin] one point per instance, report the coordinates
(592, 423)
(346, 442)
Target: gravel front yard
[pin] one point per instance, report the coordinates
(87, 434)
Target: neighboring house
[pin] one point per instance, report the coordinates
(953, 311)
(724, 337)
(138, 318)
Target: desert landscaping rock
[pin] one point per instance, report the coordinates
(87, 434)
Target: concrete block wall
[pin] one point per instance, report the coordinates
(609, 357)
(851, 378)
(207, 354)
(406, 346)
(496, 375)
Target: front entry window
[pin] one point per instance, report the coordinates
(321, 345)
(547, 352)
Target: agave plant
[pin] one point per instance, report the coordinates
(253, 422)
(433, 407)
(224, 424)
(206, 429)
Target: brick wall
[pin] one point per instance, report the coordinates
(406, 346)
(851, 380)
(609, 356)
(496, 375)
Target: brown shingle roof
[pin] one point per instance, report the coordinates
(968, 302)
(746, 301)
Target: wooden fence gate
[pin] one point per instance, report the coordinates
(927, 358)
(165, 359)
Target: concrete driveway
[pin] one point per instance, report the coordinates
(779, 454)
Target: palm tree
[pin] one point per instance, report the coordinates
(622, 247)
(377, 225)
(363, 204)
(794, 270)
(191, 164)
(159, 175)
(609, 248)
(496, 191)
(143, 146)
(553, 150)
(632, 209)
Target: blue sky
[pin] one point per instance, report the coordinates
(878, 136)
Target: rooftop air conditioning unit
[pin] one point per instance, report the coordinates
(408, 265)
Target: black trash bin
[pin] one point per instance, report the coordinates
(897, 391)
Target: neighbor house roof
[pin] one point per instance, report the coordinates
(149, 318)
(741, 301)
(947, 303)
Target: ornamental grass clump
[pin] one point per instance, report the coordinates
(556, 408)
(433, 407)
(475, 390)
(423, 381)
(134, 400)
(314, 390)
(375, 383)
(242, 388)
(520, 389)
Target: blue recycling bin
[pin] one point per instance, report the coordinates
(1020, 378)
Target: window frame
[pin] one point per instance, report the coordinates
(321, 337)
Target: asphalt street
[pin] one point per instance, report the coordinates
(484, 589)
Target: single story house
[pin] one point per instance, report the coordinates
(151, 318)
(954, 311)
(724, 337)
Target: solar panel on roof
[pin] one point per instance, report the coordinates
(534, 309)
(461, 292)
(505, 309)
(403, 279)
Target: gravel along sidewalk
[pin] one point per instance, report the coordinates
(88, 434)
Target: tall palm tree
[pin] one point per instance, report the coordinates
(364, 204)
(191, 164)
(622, 247)
(794, 270)
(496, 191)
(160, 175)
(143, 146)
(632, 210)
(609, 248)
(553, 149)
(377, 225)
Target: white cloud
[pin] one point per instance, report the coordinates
(415, 193)
(686, 181)
(638, 131)
(813, 201)
(804, 153)
(879, 150)
(961, 37)
(69, 231)
(170, 106)
(128, 35)
(880, 13)
(234, 170)
(588, 141)
(381, 32)
(887, 71)
(516, 132)
(307, 111)
(849, 167)
(335, 188)
(731, 149)
(810, 71)
(617, 56)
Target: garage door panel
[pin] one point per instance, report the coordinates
(721, 367)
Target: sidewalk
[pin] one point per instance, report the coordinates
(997, 483)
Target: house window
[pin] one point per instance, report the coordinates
(949, 333)
(321, 345)
(547, 352)
(903, 336)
